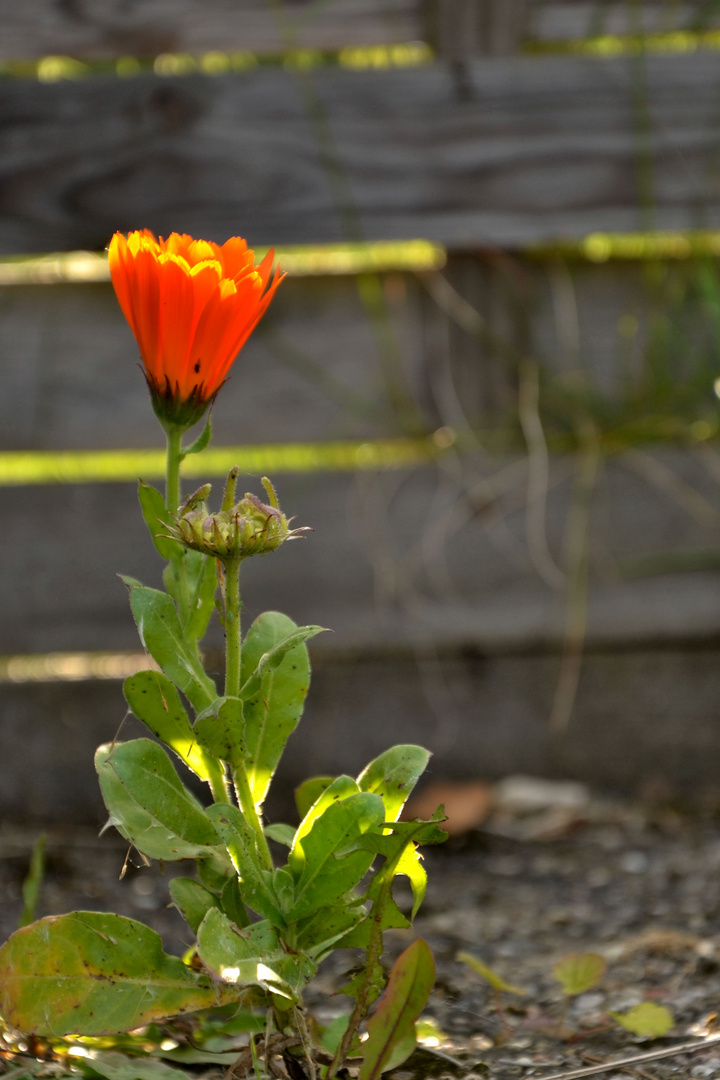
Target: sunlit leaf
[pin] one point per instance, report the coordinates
(411, 866)
(96, 973)
(648, 1020)
(393, 775)
(241, 843)
(342, 787)
(253, 955)
(155, 701)
(389, 1028)
(271, 714)
(580, 972)
(309, 791)
(333, 864)
(496, 981)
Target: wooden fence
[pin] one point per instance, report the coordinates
(462, 590)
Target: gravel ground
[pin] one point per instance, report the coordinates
(638, 885)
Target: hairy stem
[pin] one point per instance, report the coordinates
(374, 952)
(233, 665)
(172, 502)
(172, 469)
(216, 775)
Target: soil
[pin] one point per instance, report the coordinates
(639, 885)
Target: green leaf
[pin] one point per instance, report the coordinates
(579, 972)
(410, 865)
(112, 1065)
(340, 788)
(391, 918)
(214, 870)
(272, 659)
(496, 981)
(154, 700)
(319, 932)
(648, 1020)
(95, 973)
(284, 888)
(273, 713)
(401, 1050)
(219, 730)
(393, 775)
(401, 856)
(333, 862)
(157, 519)
(241, 843)
(251, 956)
(161, 634)
(411, 980)
(232, 904)
(202, 584)
(148, 803)
(393, 840)
(359, 984)
(33, 882)
(333, 1033)
(280, 833)
(192, 900)
(200, 443)
(309, 791)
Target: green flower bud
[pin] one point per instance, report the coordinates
(249, 527)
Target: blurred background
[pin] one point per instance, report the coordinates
(489, 383)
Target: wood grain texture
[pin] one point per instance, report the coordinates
(310, 371)
(508, 153)
(398, 560)
(641, 715)
(105, 29)
(565, 20)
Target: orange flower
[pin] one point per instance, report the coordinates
(191, 305)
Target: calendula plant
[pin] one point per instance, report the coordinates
(261, 929)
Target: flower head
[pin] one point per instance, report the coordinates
(237, 530)
(191, 305)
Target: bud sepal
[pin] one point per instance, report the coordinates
(236, 531)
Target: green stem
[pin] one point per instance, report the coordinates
(233, 635)
(172, 502)
(172, 469)
(373, 954)
(233, 663)
(216, 777)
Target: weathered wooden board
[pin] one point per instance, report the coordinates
(311, 371)
(105, 29)
(645, 716)
(436, 557)
(508, 153)
(564, 20)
